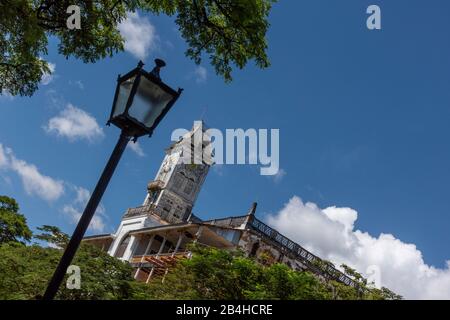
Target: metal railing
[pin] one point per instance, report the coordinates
(312, 261)
(147, 209)
(179, 254)
(139, 261)
(138, 211)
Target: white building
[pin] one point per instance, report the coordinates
(154, 236)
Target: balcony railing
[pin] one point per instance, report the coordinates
(232, 222)
(312, 261)
(155, 185)
(148, 209)
(139, 211)
(162, 260)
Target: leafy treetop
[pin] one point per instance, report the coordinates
(229, 275)
(13, 225)
(229, 32)
(53, 236)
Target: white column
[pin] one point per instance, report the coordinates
(159, 252)
(180, 238)
(198, 234)
(161, 247)
(150, 275)
(145, 253)
(127, 255)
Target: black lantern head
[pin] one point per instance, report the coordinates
(141, 100)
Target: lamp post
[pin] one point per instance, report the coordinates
(140, 103)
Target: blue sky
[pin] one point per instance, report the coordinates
(363, 118)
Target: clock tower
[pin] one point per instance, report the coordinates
(179, 179)
(172, 194)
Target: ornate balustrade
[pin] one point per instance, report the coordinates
(312, 261)
(138, 211)
(148, 209)
(162, 260)
(232, 222)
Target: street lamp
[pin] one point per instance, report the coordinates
(140, 103)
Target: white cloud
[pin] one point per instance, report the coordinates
(218, 169)
(201, 74)
(97, 224)
(6, 180)
(75, 210)
(82, 196)
(136, 148)
(74, 124)
(3, 158)
(54, 99)
(77, 83)
(279, 175)
(330, 233)
(139, 34)
(169, 44)
(48, 77)
(34, 182)
(6, 94)
(47, 188)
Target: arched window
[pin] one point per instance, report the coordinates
(122, 247)
(255, 248)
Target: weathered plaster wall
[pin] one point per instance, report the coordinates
(266, 252)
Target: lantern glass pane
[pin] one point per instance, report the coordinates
(149, 102)
(122, 97)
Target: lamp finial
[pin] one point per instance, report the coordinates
(159, 63)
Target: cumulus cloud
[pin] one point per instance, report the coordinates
(34, 182)
(201, 74)
(218, 169)
(6, 94)
(97, 224)
(139, 34)
(75, 210)
(48, 77)
(3, 158)
(47, 188)
(279, 175)
(331, 234)
(136, 148)
(77, 83)
(74, 124)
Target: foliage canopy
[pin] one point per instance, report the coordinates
(229, 275)
(210, 273)
(13, 225)
(229, 32)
